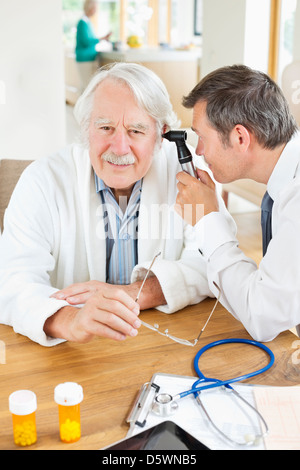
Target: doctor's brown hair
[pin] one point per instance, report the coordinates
(239, 95)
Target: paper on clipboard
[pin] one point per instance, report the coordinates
(225, 408)
(280, 407)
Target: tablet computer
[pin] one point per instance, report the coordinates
(164, 436)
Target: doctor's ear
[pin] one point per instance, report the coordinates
(240, 137)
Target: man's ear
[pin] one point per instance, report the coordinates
(164, 129)
(240, 137)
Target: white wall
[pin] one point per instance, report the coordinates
(32, 109)
(235, 32)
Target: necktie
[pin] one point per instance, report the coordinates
(266, 220)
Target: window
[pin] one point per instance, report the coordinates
(282, 30)
(286, 43)
(156, 21)
(122, 17)
(71, 13)
(108, 19)
(137, 18)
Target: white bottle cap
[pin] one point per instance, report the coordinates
(68, 394)
(22, 402)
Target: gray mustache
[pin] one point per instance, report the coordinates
(110, 157)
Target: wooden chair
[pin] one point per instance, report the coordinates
(10, 172)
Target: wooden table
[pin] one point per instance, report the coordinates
(112, 373)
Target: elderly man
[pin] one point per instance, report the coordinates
(245, 130)
(84, 224)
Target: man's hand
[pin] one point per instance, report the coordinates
(80, 292)
(151, 295)
(108, 310)
(195, 198)
(110, 313)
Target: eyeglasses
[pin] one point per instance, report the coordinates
(166, 333)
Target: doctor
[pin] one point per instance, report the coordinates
(84, 224)
(246, 130)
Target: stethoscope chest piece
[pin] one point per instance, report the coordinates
(164, 405)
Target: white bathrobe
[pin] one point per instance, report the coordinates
(54, 236)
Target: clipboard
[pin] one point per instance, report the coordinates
(189, 415)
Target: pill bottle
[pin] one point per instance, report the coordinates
(23, 405)
(68, 396)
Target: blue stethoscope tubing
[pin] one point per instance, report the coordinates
(213, 383)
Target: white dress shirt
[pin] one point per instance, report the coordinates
(266, 299)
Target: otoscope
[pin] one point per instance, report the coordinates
(184, 155)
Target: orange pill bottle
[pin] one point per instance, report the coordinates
(23, 405)
(68, 396)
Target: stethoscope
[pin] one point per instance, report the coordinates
(165, 405)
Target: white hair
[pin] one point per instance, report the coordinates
(147, 88)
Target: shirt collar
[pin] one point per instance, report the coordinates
(101, 186)
(286, 168)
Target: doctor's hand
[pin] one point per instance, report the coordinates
(196, 197)
(110, 313)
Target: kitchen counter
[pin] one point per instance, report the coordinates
(145, 54)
